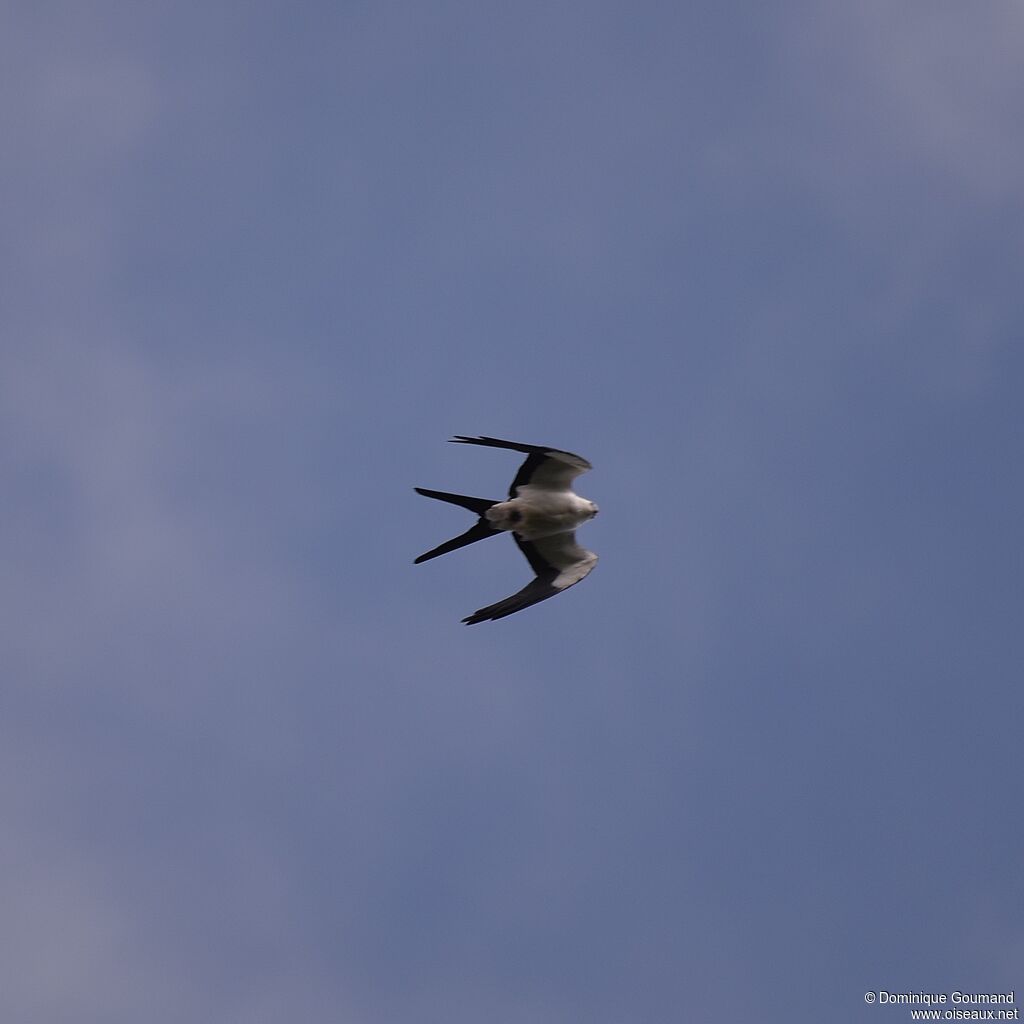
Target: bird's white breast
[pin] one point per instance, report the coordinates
(538, 512)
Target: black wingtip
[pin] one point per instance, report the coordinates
(497, 442)
(487, 615)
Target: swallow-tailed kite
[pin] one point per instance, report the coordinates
(541, 513)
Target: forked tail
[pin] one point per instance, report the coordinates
(479, 531)
(477, 505)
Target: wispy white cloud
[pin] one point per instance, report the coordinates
(945, 83)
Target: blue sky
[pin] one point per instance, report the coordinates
(760, 263)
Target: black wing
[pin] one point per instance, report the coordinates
(559, 563)
(547, 468)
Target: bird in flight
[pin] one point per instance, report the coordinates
(541, 513)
